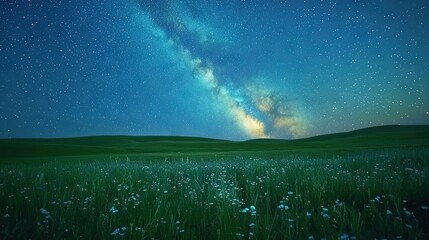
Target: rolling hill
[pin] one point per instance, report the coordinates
(392, 136)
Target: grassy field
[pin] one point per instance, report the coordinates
(371, 183)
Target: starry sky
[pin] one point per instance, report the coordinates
(230, 69)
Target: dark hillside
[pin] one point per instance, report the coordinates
(363, 139)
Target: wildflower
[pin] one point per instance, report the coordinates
(290, 220)
(282, 206)
(344, 236)
(251, 209)
(406, 211)
(252, 225)
(119, 231)
(113, 210)
(425, 208)
(388, 212)
(45, 213)
(289, 193)
(87, 200)
(115, 232)
(123, 229)
(307, 214)
(239, 235)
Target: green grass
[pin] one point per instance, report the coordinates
(209, 189)
(360, 140)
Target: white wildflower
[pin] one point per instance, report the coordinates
(113, 210)
(344, 236)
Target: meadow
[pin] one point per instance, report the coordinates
(346, 192)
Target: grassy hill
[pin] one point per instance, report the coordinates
(359, 140)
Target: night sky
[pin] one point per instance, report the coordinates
(221, 69)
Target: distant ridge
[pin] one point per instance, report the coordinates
(404, 131)
(374, 131)
(357, 140)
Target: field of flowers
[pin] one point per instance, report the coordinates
(382, 195)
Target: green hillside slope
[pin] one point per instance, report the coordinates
(364, 139)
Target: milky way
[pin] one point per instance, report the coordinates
(221, 69)
(178, 30)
